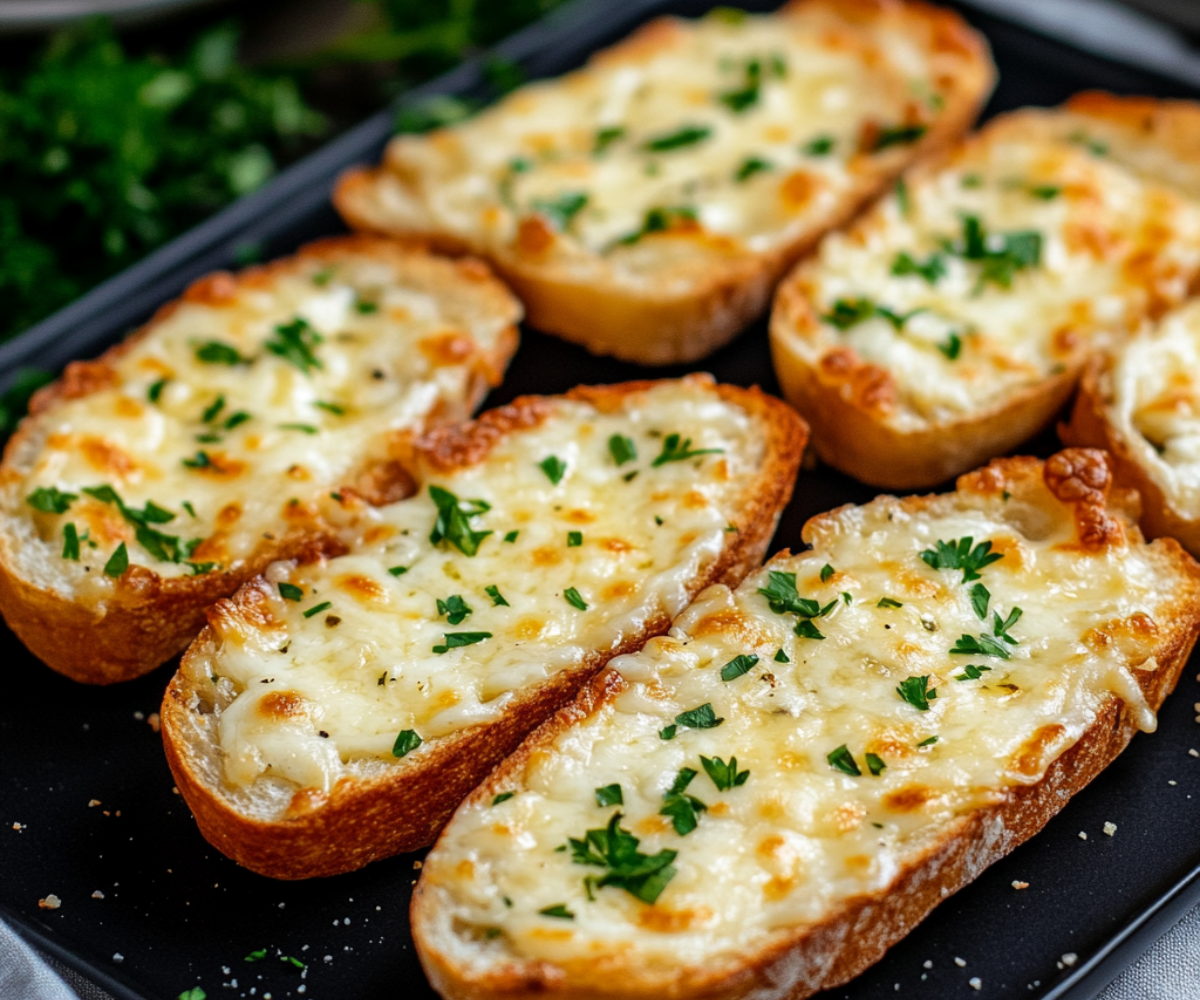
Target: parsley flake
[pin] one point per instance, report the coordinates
(256, 956)
(155, 391)
(999, 255)
(609, 795)
(887, 602)
(454, 608)
(980, 596)
(917, 692)
(622, 449)
(557, 910)
(686, 135)
(928, 742)
(805, 629)
(316, 609)
(454, 640)
(398, 570)
(724, 776)
(497, 598)
(661, 219)
(971, 672)
(453, 523)
(290, 592)
(931, 270)
(782, 597)
(826, 572)
(738, 666)
(214, 352)
(560, 212)
(118, 562)
(50, 500)
(781, 656)
(213, 408)
(554, 467)
(605, 137)
(302, 428)
(684, 810)
(198, 461)
(511, 536)
(951, 347)
(897, 135)
(575, 599)
(843, 760)
(70, 542)
(850, 312)
(406, 743)
(294, 343)
(875, 764)
(502, 797)
(959, 554)
(673, 451)
(574, 539)
(643, 876)
(821, 145)
(752, 165)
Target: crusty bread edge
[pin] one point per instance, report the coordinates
(405, 808)
(149, 618)
(799, 963)
(655, 329)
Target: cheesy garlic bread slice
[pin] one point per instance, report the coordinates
(763, 801)
(952, 321)
(1142, 403)
(336, 710)
(241, 425)
(645, 205)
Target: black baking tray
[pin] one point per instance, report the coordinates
(181, 915)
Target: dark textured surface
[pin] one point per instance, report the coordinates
(180, 914)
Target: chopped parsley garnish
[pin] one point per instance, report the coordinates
(195, 993)
(256, 956)
(70, 541)
(781, 656)
(846, 597)
(364, 307)
(323, 277)
(928, 742)
(887, 602)
(213, 408)
(454, 608)
(661, 220)
(575, 599)
(199, 568)
(302, 428)
(686, 135)
(574, 539)
(50, 500)
(683, 809)
(198, 461)
(724, 776)
(980, 596)
(557, 910)
(236, 419)
(897, 135)
(821, 145)
(752, 165)
(161, 546)
(917, 692)
(155, 390)
(406, 743)
(673, 451)
(335, 408)
(826, 572)
(901, 191)
(932, 269)
(511, 536)
(843, 760)
(554, 467)
(497, 598)
(971, 672)
(118, 562)
(294, 343)
(502, 797)
(990, 645)
(951, 347)
(453, 523)
(561, 211)
(1001, 627)
(959, 554)
(738, 666)
(216, 353)
(1093, 146)
(747, 95)
(316, 609)
(850, 312)
(875, 764)
(622, 449)
(1000, 255)
(609, 795)
(292, 961)
(805, 629)
(782, 597)
(605, 137)
(702, 717)
(644, 876)
(453, 640)
(290, 592)
(398, 570)
(1046, 192)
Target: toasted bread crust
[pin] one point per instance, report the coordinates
(148, 618)
(405, 808)
(728, 287)
(799, 962)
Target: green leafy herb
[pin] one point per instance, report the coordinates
(987, 645)
(980, 596)
(454, 608)
(335, 408)
(236, 419)
(932, 269)
(70, 542)
(453, 640)
(643, 876)
(902, 202)
(724, 776)
(290, 592)
(497, 598)
(195, 993)
(557, 910)
(887, 602)
(821, 145)
(605, 137)
(738, 666)
(294, 343)
(364, 307)
(292, 961)
(951, 347)
(661, 220)
(781, 656)
(622, 449)
(826, 572)
(917, 692)
(686, 135)
(850, 312)
(502, 797)
(1000, 627)
(609, 795)
(398, 570)
(511, 536)
(701, 717)
(453, 523)
(1000, 255)
(805, 629)
(406, 743)
(256, 956)
(574, 539)
(561, 211)
(575, 599)
(160, 545)
(971, 672)
(1093, 146)
(673, 451)
(316, 609)
(782, 597)
(843, 760)
(554, 467)
(897, 135)
(118, 562)
(875, 764)
(155, 391)
(198, 461)
(214, 352)
(684, 810)
(1046, 192)
(213, 408)
(752, 165)
(928, 742)
(50, 500)
(959, 554)
(302, 428)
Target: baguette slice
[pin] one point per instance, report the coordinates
(858, 800)
(241, 425)
(1142, 403)
(914, 362)
(313, 734)
(645, 205)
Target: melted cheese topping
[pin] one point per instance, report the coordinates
(1112, 250)
(753, 129)
(1155, 405)
(238, 448)
(302, 696)
(800, 837)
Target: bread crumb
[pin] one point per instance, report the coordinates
(174, 790)
(961, 963)
(1069, 959)
(417, 865)
(118, 957)
(1110, 828)
(928, 964)
(18, 827)
(1170, 782)
(154, 721)
(141, 716)
(51, 902)
(975, 983)
(1194, 752)
(97, 894)
(1082, 835)
(92, 803)
(1020, 885)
